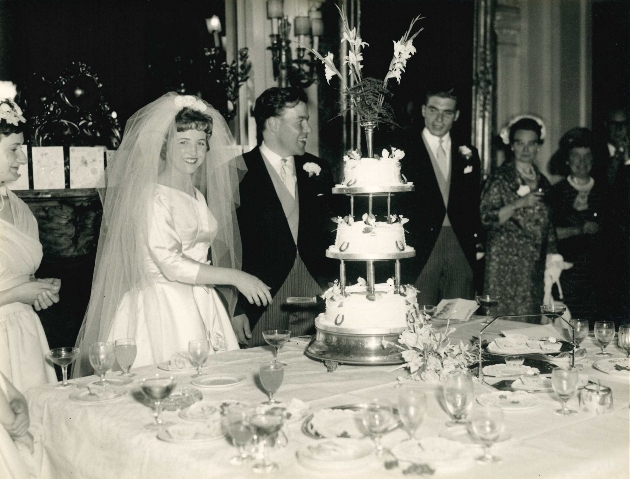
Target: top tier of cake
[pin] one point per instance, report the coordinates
(362, 172)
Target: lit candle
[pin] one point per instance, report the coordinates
(302, 26)
(317, 23)
(275, 8)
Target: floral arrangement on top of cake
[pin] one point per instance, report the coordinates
(367, 94)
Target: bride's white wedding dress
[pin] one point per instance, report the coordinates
(163, 318)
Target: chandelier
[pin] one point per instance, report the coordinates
(302, 70)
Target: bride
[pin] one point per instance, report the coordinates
(152, 280)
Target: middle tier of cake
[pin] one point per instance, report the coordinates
(386, 312)
(378, 237)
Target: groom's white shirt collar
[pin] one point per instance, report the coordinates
(276, 160)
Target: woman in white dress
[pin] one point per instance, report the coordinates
(153, 281)
(22, 340)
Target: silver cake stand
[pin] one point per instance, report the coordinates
(376, 346)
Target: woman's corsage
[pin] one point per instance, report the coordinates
(312, 168)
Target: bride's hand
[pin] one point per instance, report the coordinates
(31, 291)
(253, 289)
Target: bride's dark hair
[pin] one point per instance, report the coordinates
(189, 119)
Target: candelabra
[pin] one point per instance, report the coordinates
(302, 70)
(557, 315)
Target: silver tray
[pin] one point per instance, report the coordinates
(308, 430)
(373, 190)
(336, 254)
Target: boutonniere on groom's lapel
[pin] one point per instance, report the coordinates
(465, 152)
(468, 169)
(312, 168)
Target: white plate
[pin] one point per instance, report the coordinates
(217, 381)
(340, 422)
(173, 369)
(463, 434)
(442, 454)
(509, 401)
(191, 433)
(544, 384)
(208, 410)
(505, 371)
(608, 365)
(295, 409)
(84, 396)
(336, 454)
(113, 381)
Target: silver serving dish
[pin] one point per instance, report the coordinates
(336, 254)
(358, 347)
(373, 190)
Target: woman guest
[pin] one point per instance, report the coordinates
(22, 340)
(517, 218)
(577, 204)
(153, 281)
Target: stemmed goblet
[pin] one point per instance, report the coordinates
(604, 333)
(378, 417)
(271, 376)
(427, 310)
(554, 311)
(126, 350)
(564, 383)
(276, 338)
(241, 432)
(624, 338)
(487, 423)
(580, 326)
(198, 350)
(412, 405)
(487, 302)
(158, 388)
(266, 427)
(102, 359)
(459, 395)
(63, 357)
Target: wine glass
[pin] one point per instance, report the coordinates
(581, 330)
(266, 427)
(271, 376)
(198, 350)
(63, 357)
(378, 417)
(564, 383)
(126, 350)
(624, 338)
(276, 338)
(487, 423)
(487, 302)
(157, 388)
(102, 359)
(412, 405)
(427, 310)
(604, 333)
(554, 311)
(241, 432)
(459, 395)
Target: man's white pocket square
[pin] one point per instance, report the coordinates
(468, 169)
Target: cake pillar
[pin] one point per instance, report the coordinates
(370, 204)
(389, 207)
(368, 126)
(352, 205)
(371, 281)
(397, 277)
(342, 277)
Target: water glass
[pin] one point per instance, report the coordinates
(266, 427)
(459, 395)
(378, 418)
(198, 350)
(581, 330)
(486, 424)
(276, 338)
(624, 338)
(126, 351)
(241, 432)
(63, 357)
(604, 333)
(158, 388)
(102, 359)
(412, 406)
(564, 383)
(271, 376)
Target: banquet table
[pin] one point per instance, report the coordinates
(109, 440)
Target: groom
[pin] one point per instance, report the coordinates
(284, 218)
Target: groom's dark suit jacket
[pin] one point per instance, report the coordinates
(268, 248)
(425, 206)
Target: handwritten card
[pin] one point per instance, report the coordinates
(48, 172)
(22, 182)
(87, 167)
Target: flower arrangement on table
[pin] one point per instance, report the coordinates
(367, 94)
(430, 355)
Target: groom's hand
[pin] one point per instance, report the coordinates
(240, 325)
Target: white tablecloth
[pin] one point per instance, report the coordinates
(109, 440)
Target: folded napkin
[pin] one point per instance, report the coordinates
(538, 332)
(455, 309)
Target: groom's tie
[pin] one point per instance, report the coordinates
(440, 156)
(287, 176)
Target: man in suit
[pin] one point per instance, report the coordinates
(614, 153)
(284, 217)
(444, 226)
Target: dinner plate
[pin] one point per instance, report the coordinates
(505, 371)
(192, 433)
(543, 385)
(111, 381)
(174, 369)
(200, 411)
(509, 401)
(84, 396)
(340, 422)
(339, 454)
(440, 453)
(610, 365)
(294, 410)
(217, 381)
